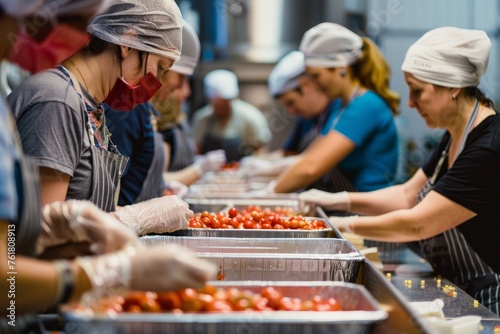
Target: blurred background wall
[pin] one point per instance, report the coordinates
(249, 36)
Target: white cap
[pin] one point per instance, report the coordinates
(449, 57)
(286, 74)
(146, 25)
(190, 52)
(221, 83)
(330, 45)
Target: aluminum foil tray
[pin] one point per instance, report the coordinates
(274, 259)
(360, 312)
(216, 205)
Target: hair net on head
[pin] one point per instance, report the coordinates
(221, 83)
(286, 74)
(147, 25)
(449, 57)
(190, 52)
(330, 45)
(20, 8)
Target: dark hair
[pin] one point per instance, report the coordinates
(474, 91)
(96, 46)
(297, 89)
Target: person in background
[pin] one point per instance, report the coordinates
(360, 135)
(292, 87)
(228, 122)
(448, 211)
(62, 124)
(43, 284)
(135, 133)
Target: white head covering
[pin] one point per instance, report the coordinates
(330, 45)
(286, 74)
(190, 52)
(221, 83)
(147, 25)
(449, 57)
(52, 8)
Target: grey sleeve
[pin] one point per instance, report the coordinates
(52, 133)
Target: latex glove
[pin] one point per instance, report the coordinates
(210, 162)
(73, 222)
(329, 201)
(159, 215)
(141, 268)
(256, 167)
(177, 188)
(343, 224)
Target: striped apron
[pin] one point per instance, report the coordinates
(451, 256)
(183, 150)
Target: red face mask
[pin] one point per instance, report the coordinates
(124, 97)
(62, 43)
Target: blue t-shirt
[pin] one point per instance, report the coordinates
(8, 190)
(133, 135)
(368, 122)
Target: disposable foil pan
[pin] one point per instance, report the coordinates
(360, 312)
(274, 259)
(217, 205)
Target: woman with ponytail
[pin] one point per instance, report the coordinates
(358, 149)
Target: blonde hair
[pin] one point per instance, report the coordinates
(374, 73)
(170, 113)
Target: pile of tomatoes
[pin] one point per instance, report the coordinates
(230, 165)
(217, 299)
(255, 218)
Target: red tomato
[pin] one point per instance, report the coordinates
(233, 212)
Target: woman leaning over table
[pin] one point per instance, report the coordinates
(360, 135)
(62, 124)
(449, 209)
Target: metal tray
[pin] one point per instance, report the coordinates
(217, 205)
(274, 259)
(360, 313)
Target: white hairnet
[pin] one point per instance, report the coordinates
(221, 83)
(449, 57)
(330, 45)
(285, 75)
(52, 8)
(147, 25)
(190, 52)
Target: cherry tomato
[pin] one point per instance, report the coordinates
(233, 212)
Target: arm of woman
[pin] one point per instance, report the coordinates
(187, 176)
(435, 214)
(33, 273)
(402, 196)
(53, 185)
(323, 154)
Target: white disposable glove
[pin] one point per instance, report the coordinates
(257, 167)
(141, 268)
(210, 162)
(178, 188)
(343, 224)
(158, 215)
(73, 222)
(329, 201)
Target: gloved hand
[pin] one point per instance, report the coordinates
(344, 224)
(159, 215)
(210, 162)
(254, 166)
(141, 268)
(329, 201)
(177, 188)
(73, 222)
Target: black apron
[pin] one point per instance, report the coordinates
(464, 267)
(153, 186)
(107, 165)
(182, 150)
(235, 148)
(28, 223)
